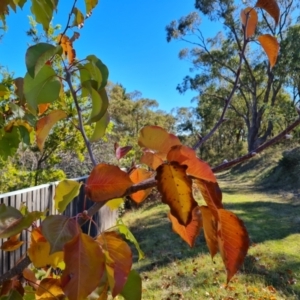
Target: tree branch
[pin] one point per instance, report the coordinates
(245, 157)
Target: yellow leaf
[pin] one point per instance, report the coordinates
(49, 288)
(271, 47)
(176, 190)
(39, 250)
(65, 192)
(158, 139)
(115, 203)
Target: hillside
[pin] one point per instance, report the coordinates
(274, 168)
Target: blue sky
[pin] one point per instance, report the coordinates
(128, 36)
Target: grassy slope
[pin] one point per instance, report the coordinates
(271, 270)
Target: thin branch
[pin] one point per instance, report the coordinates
(245, 157)
(222, 118)
(80, 119)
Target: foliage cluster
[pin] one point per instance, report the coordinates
(73, 99)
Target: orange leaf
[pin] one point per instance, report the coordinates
(210, 230)
(176, 190)
(212, 195)
(107, 182)
(271, 7)
(45, 124)
(136, 176)
(151, 159)
(196, 167)
(118, 260)
(43, 107)
(84, 267)
(49, 288)
(271, 47)
(189, 232)
(249, 18)
(158, 139)
(233, 241)
(39, 251)
(12, 244)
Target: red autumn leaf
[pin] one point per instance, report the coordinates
(176, 190)
(84, 267)
(249, 18)
(118, 260)
(189, 232)
(136, 176)
(107, 182)
(212, 195)
(233, 241)
(271, 7)
(158, 139)
(45, 124)
(210, 227)
(196, 167)
(121, 151)
(271, 47)
(151, 159)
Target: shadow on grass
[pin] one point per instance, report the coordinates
(267, 220)
(279, 271)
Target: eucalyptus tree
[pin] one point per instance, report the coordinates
(215, 63)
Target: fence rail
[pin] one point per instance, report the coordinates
(40, 198)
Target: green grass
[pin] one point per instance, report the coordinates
(172, 270)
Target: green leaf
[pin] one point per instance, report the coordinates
(65, 192)
(89, 5)
(100, 128)
(9, 142)
(37, 55)
(99, 105)
(90, 76)
(78, 17)
(43, 88)
(59, 230)
(13, 222)
(102, 67)
(43, 11)
(20, 3)
(133, 287)
(129, 236)
(13, 295)
(4, 91)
